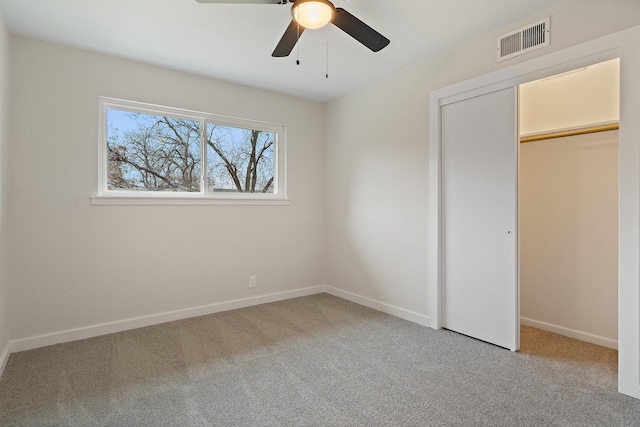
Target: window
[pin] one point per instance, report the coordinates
(150, 153)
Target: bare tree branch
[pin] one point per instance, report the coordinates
(163, 150)
(231, 168)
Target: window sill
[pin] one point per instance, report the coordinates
(122, 200)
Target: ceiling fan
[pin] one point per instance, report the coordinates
(313, 14)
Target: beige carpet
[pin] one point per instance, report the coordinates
(313, 361)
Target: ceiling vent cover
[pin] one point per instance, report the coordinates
(524, 39)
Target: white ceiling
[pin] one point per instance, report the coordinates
(234, 42)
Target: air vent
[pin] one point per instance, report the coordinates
(524, 39)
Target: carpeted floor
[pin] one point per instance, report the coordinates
(313, 361)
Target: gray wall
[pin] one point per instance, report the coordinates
(569, 236)
(377, 157)
(4, 188)
(357, 173)
(76, 265)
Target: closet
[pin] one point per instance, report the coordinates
(568, 203)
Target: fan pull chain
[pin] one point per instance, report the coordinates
(326, 75)
(298, 40)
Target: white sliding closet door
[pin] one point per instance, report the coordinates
(479, 141)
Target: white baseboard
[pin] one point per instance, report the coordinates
(4, 357)
(140, 322)
(582, 336)
(380, 306)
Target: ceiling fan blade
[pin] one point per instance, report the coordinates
(241, 1)
(288, 40)
(359, 30)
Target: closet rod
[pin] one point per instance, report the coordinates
(581, 131)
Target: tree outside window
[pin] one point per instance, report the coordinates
(164, 153)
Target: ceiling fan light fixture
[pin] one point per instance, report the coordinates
(313, 14)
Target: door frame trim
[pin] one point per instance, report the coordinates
(626, 46)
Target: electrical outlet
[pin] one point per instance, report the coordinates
(252, 282)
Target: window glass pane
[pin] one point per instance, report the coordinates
(239, 160)
(152, 153)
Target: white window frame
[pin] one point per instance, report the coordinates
(104, 196)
